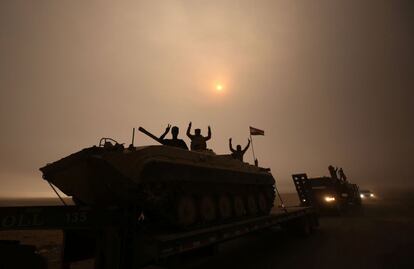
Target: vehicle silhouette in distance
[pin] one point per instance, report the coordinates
(367, 194)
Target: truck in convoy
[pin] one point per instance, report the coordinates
(326, 194)
(138, 205)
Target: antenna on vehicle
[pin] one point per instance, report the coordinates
(133, 136)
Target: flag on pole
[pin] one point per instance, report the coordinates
(255, 131)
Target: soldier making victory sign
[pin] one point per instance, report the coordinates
(174, 142)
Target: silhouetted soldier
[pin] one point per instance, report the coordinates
(166, 132)
(342, 175)
(238, 153)
(333, 171)
(198, 142)
(174, 142)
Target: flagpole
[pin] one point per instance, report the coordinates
(255, 132)
(251, 141)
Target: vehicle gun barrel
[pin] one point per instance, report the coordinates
(142, 130)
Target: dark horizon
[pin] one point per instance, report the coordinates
(328, 82)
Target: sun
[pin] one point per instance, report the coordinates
(219, 87)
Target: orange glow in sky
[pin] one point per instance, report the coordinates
(219, 87)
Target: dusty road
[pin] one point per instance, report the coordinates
(381, 235)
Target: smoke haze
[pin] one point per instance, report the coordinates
(330, 82)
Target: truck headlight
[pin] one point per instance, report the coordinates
(371, 195)
(329, 199)
(362, 196)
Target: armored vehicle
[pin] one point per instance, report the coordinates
(172, 186)
(326, 193)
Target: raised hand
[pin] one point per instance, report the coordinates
(209, 133)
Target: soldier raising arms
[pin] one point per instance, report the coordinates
(238, 153)
(333, 171)
(342, 175)
(198, 142)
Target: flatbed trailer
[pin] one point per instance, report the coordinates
(121, 238)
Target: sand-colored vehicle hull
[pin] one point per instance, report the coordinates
(176, 186)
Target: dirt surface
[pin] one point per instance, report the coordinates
(380, 235)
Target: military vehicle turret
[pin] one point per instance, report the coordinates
(172, 186)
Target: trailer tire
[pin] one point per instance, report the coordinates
(207, 208)
(251, 205)
(14, 255)
(262, 202)
(225, 207)
(305, 228)
(186, 211)
(239, 208)
(302, 227)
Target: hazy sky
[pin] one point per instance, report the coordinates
(330, 82)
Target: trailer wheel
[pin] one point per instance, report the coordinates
(263, 207)
(251, 205)
(314, 219)
(14, 255)
(239, 208)
(225, 209)
(207, 208)
(186, 211)
(306, 228)
(302, 227)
